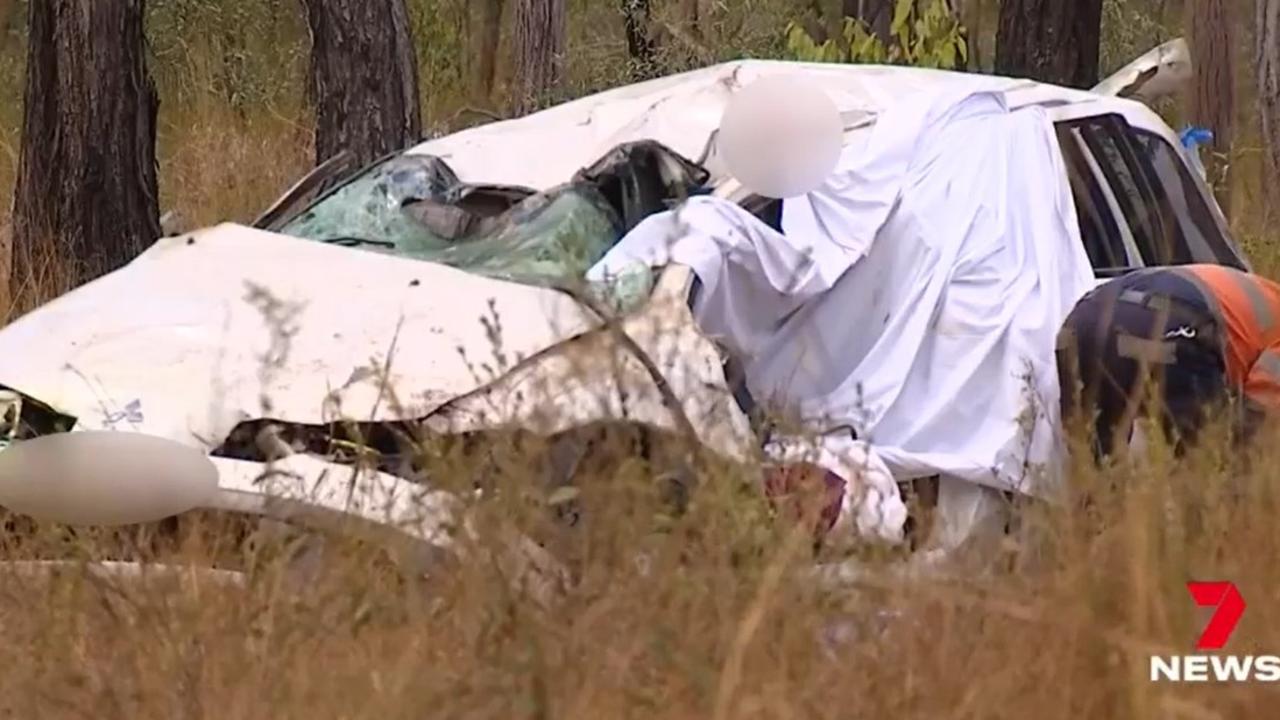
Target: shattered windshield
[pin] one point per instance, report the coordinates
(414, 206)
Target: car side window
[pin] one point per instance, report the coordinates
(1103, 241)
(1200, 228)
(1143, 201)
(1157, 199)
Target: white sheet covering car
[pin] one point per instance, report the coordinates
(908, 296)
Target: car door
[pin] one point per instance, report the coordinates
(1137, 201)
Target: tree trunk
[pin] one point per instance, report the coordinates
(640, 44)
(1212, 102)
(960, 10)
(971, 16)
(491, 12)
(1050, 40)
(85, 200)
(539, 51)
(816, 21)
(1267, 54)
(877, 14)
(363, 77)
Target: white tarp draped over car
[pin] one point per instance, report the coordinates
(683, 111)
(915, 297)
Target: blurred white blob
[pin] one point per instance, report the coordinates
(780, 136)
(104, 478)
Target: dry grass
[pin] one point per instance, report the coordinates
(713, 614)
(219, 166)
(710, 614)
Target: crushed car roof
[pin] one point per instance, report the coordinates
(682, 111)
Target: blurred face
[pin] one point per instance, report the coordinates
(780, 137)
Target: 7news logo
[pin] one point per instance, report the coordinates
(1228, 606)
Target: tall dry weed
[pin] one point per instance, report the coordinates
(712, 613)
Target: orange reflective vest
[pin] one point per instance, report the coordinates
(1248, 308)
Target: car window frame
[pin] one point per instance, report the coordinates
(1154, 189)
(1151, 203)
(321, 183)
(1075, 153)
(1188, 176)
(1132, 252)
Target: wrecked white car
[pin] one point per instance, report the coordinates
(441, 289)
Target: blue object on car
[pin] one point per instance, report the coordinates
(1192, 136)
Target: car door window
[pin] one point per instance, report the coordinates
(1144, 203)
(1194, 216)
(1158, 200)
(1103, 241)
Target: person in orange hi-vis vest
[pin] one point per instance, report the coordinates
(1207, 335)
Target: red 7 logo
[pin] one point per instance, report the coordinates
(1226, 598)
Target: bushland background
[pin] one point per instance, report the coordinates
(722, 621)
(236, 123)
